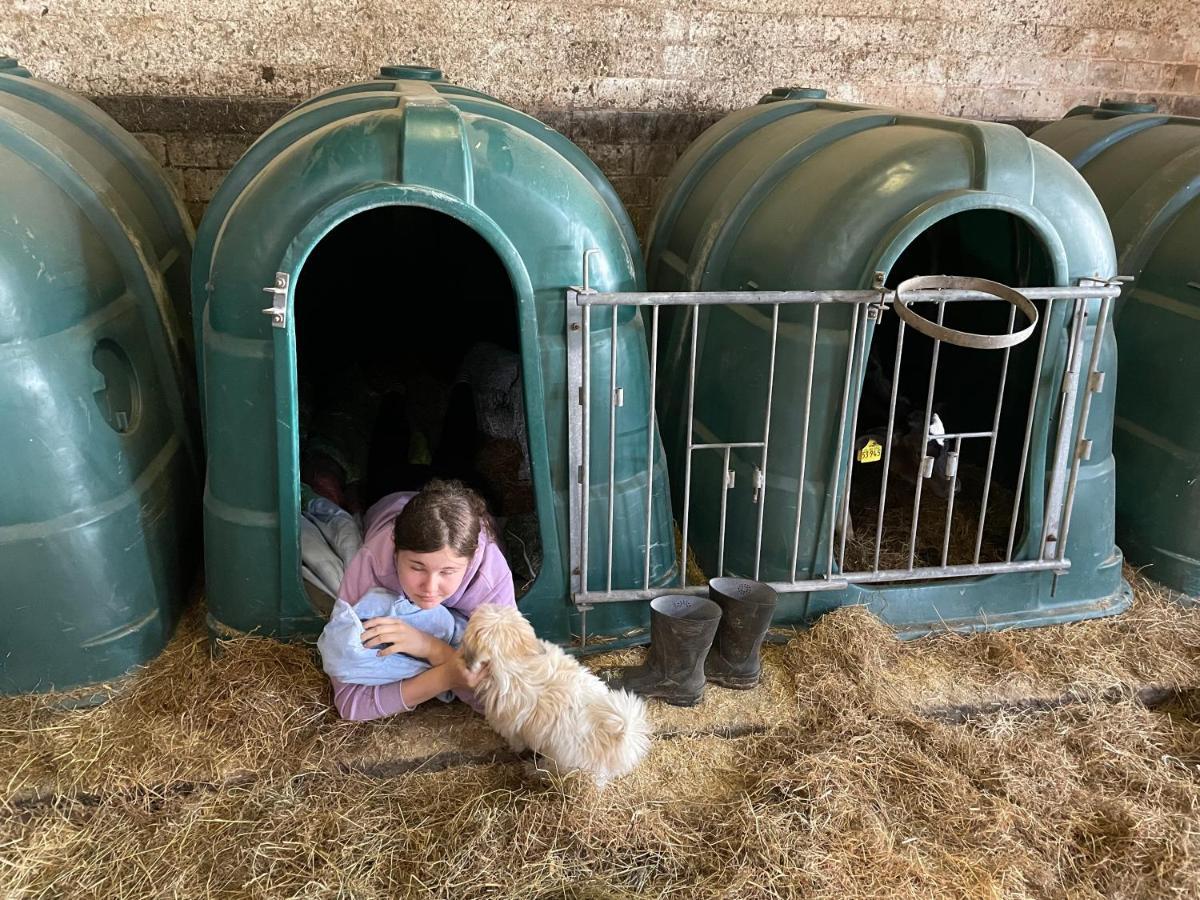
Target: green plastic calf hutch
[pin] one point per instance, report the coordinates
(99, 488)
(393, 225)
(1145, 168)
(987, 470)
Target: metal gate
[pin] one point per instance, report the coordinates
(1081, 373)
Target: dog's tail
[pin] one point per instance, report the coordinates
(622, 731)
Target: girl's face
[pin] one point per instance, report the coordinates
(429, 579)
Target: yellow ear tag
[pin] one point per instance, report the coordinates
(872, 452)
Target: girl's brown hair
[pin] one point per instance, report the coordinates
(443, 514)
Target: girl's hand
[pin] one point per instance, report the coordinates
(462, 677)
(402, 637)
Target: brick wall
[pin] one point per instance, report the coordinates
(989, 58)
(197, 141)
(631, 82)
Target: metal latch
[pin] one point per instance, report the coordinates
(278, 309)
(587, 270)
(951, 464)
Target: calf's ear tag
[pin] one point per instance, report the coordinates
(871, 452)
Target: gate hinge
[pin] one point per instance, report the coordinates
(730, 478)
(758, 484)
(1096, 382)
(278, 309)
(1084, 449)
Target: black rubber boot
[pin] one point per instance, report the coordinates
(681, 631)
(735, 660)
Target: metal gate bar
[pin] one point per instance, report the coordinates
(991, 459)
(1066, 415)
(922, 475)
(812, 359)
(760, 477)
(841, 582)
(887, 448)
(617, 399)
(1025, 446)
(1110, 288)
(851, 366)
(1083, 446)
(868, 305)
(871, 312)
(650, 442)
(687, 478)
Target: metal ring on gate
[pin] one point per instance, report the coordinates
(964, 338)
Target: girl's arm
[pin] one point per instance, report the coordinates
(362, 702)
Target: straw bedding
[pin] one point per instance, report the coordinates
(863, 766)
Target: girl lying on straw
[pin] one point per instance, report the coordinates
(428, 561)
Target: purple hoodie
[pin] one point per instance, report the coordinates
(488, 579)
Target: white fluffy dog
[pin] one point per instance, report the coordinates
(536, 696)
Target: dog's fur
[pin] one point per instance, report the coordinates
(537, 697)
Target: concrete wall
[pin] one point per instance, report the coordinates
(632, 82)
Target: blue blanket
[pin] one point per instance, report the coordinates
(344, 657)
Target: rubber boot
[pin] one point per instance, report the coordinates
(735, 660)
(681, 631)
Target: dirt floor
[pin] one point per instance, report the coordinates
(1057, 762)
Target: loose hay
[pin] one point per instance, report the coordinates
(230, 777)
(895, 537)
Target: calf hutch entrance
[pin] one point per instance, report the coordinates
(398, 383)
(382, 303)
(788, 382)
